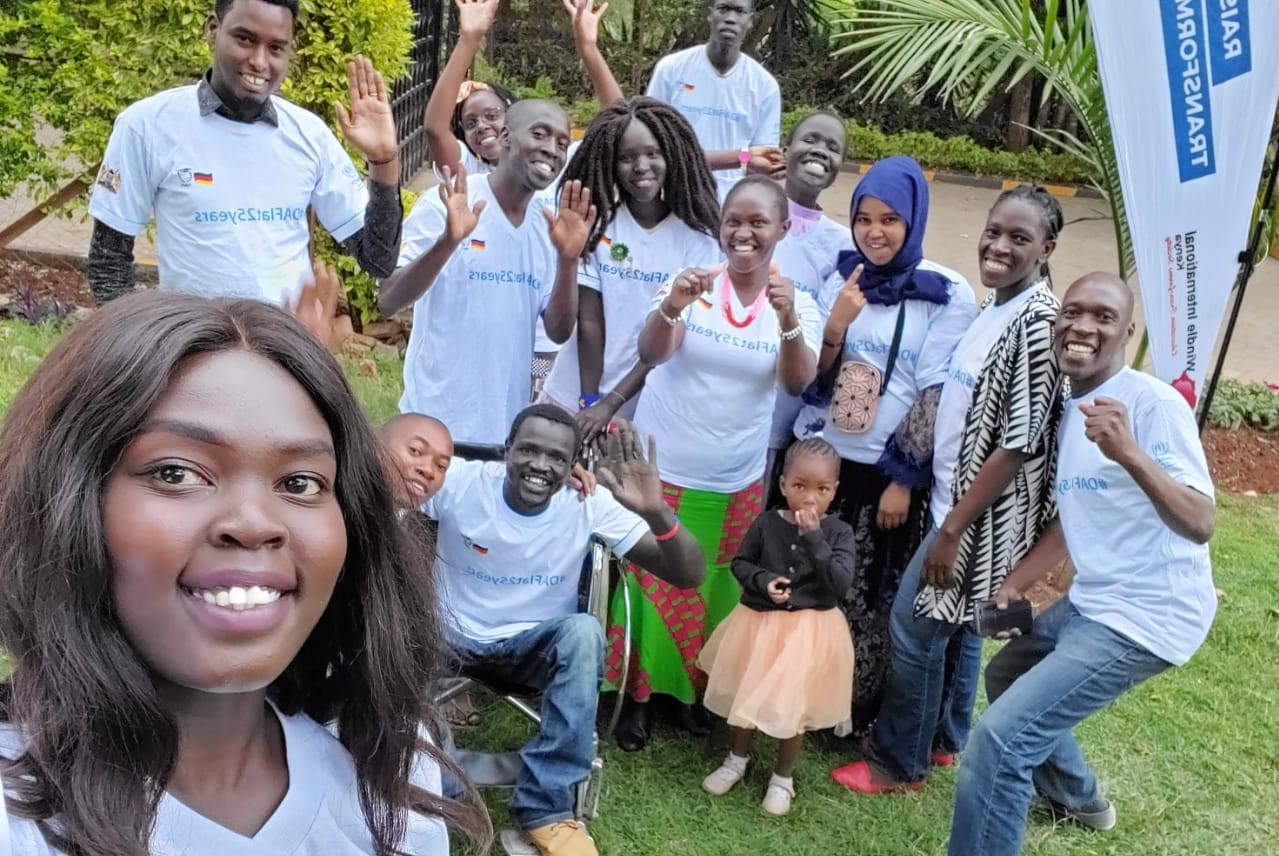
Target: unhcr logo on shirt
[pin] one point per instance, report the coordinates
(1206, 43)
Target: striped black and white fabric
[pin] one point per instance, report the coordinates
(1016, 405)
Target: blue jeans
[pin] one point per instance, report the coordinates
(1040, 687)
(563, 659)
(932, 684)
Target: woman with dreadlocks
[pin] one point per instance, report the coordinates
(657, 215)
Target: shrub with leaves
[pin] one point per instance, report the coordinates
(1237, 403)
(361, 289)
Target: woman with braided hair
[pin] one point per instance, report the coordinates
(657, 214)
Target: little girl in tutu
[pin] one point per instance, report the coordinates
(782, 661)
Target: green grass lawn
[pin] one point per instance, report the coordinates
(1191, 759)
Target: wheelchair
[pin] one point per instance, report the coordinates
(499, 770)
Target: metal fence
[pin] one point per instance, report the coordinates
(409, 94)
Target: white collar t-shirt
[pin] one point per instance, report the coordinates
(627, 268)
(732, 111)
(502, 572)
(809, 258)
(929, 333)
(229, 198)
(471, 346)
(1132, 573)
(957, 393)
(320, 814)
(710, 406)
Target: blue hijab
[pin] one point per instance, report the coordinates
(899, 183)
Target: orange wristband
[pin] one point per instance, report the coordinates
(670, 533)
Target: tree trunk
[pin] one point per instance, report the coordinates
(1019, 116)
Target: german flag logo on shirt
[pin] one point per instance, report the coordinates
(688, 87)
(203, 178)
(477, 245)
(482, 550)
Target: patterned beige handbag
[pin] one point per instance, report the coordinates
(859, 386)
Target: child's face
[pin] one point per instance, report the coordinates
(750, 227)
(223, 525)
(809, 481)
(422, 450)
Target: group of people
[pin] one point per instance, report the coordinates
(817, 457)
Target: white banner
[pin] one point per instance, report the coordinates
(1191, 88)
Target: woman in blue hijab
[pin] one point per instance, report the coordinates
(894, 318)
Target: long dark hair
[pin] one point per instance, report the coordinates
(99, 745)
(689, 187)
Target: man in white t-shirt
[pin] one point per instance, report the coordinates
(731, 101)
(229, 169)
(512, 543)
(482, 260)
(1136, 510)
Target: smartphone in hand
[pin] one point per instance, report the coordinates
(989, 619)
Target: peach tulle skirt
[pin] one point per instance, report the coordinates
(780, 672)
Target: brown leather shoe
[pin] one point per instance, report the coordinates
(563, 838)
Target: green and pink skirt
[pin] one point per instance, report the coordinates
(670, 625)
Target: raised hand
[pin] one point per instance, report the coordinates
(583, 481)
(624, 470)
(316, 306)
(461, 218)
(848, 303)
(586, 20)
(781, 295)
(779, 590)
(690, 284)
(475, 17)
(571, 224)
(369, 124)
(1106, 424)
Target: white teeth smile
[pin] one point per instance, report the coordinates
(537, 481)
(994, 266)
(743, 248)
(484, 141)
(253, 80)
(815, 168)
(1081, 350)
(544, 168)
(238, 598)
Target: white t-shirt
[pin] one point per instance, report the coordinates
(710, 405)
(741, 108)
(627, 268)
(1132, 573)
(809, 259)
(469, 353)
(319, 816)
(542, 343)
(929, 334)
(502, 572)
(957, 393)
(229, 198)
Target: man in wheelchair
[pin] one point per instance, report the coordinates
(511, 547)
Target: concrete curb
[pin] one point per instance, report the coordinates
(987, 181)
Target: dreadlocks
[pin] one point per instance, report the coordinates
(689, 188)
(1049, 212)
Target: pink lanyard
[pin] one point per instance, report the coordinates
(726, 303)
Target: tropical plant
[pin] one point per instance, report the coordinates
(967, 50)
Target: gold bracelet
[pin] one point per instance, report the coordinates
(674, 322)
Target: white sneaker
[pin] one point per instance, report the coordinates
(778, 797)
(728, 774)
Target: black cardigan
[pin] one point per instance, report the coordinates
(819, 564)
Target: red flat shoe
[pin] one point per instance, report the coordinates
(943, 759)
(857, 777)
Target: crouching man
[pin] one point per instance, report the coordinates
(512, 542)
